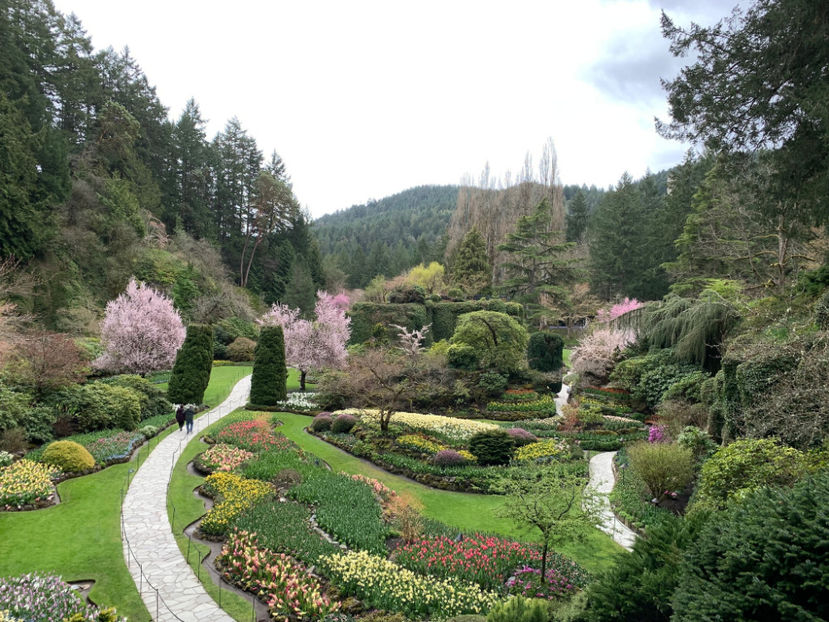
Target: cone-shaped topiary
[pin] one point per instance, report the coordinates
(492, 447)
(545, 351)
(268, 384)
(191, 372)
(68, 456)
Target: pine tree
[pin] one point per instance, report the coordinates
(268, 384)
(471, 268)
(300, 292)
(577, 218)
(191, 372)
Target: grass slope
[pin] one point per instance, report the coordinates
(80, 538)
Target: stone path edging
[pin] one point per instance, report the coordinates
(146, 526)
(602, 481)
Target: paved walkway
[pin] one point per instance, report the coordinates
(602, 480)
(145, 525)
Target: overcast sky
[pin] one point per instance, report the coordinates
(365, 99)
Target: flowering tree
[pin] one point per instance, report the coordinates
(313, 345)
(411, 343)
(141, 331)
(596, 354)
(619, 309)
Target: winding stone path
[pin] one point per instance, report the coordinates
(145, 525)
(602, 481)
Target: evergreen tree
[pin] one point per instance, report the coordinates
(300, 292)
(471, 268)
(616, 244)
(191, 371)
(577, 217)
(534, 264)
(268, 384)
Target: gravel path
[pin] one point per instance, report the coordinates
(602, 481)
(167, 584)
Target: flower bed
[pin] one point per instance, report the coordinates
(234, 494)
(26, 484)
(479, 559)
(382, 584)
(527, 582)
(116, 447)
(286, 586)
(452, 428)
(419, 443)
(254, 435)
(45, 598)
(299, 402)
(543, 405)
(221, 457)
(380, 490)
(542, 451)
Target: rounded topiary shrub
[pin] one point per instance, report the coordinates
(521, 437)
(68, 456)
(149, 431)
(498, 340)
(545, 351)
(492, 447)
(191, 371)
(268, 383)
(322, 422)
(241, 349)
(343, 424)
(449, 457)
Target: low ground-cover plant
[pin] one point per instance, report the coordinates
(222, 457)
(485, 560)
(234, 495)
(284, 527)
(46, 598)
(345, 508)
(26, 483)
(267, 465)
(286, 586)
(254, 435)
(526, 581)
(382, 584)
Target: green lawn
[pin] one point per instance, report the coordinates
(81, 537)
(566, 353)
(469, 511)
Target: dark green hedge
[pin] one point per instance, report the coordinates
(372, 320)
(268, 383)
(191, 371)
(545, 351)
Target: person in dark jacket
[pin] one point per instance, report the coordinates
(189, 412)
(180, 416)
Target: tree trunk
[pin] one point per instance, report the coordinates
(302, 373)
(544, 562)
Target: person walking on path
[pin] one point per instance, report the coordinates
(180, 416)
(188, 417)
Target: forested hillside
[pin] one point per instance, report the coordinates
(100, 185)
(390, 235)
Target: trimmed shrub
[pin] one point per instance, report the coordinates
(191, 371)
(407, 293)
(499, 341)
(492, 384)
(545, 351)
(268, 384)
(322, 422)
(449, 457)
(520, 609)
(763, 559)
(745, 465)
(241, 349)
(148, 431)
(462, 356)
(98, 406)
(521, 437)
(153, 401)
(444, 315)
(370, 320)
(663, 467)
(343, 424)
(492, 448)
(68, 456)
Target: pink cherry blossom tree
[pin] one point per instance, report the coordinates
(141, 332)
(596, 355)
(619, 309)
(318, 344)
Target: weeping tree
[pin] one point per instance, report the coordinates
(696, 329)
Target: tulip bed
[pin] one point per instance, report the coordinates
(44, 598)
(285, 585)
(222, 457)
(254, 435)
(382, 584)
(26, 483)
(234, 495)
